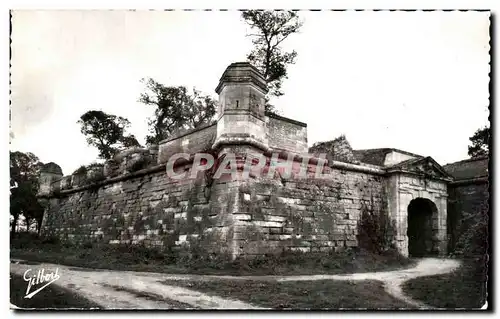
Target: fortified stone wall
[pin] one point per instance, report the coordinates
(198, 140)
(287, 135)
(133, 200)
(468, 202)
(465, 201)
(144, 207)
(236, 217)
(306, 214)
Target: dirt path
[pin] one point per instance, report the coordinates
(140, 290)
(128, 290)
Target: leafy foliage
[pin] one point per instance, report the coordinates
(82, 170)
(96, 171)
(106, 132)
(473, 237)
(175, 109)
(480, 142)
(376, 231)
(272, 28)
(24, 172)
(130, 141)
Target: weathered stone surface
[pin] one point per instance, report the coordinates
(337, 150)
(138, 203)
(285, 134)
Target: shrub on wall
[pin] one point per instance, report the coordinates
(375, 230)
(137, 162)
(82, 170)
(468, 221)
(473, 238)
(89, 174)
(79, 176)
(95, 173)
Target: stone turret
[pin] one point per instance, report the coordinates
(242, 91)
(49, 173)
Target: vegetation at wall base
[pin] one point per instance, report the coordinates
(141, 258)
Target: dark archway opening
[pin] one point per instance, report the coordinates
(421, 214)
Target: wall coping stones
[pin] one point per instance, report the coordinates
(356, 167)
(240, 140)
(129, 151)
(116, 179)
(242, 72)
(333, 164)
(188, 132)
(179, 162)
(476, 180)
(285, 119)
(412, 173)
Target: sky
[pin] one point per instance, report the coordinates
(416, 81)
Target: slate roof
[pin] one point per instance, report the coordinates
(376, 156)
(469, 168)
(407, 162)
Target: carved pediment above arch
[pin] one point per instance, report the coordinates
(426, 166)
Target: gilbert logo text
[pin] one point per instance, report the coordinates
(35, 279)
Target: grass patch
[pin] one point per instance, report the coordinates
(140, 258)
(463, 288)
(292, 263)
(52, 297)
(321, 294)
(151, 296)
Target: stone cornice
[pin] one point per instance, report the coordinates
(142, 172)
(242, 72)
(470, 181)
(403, 171)
(285, 119)
(239, 140)
(191, 131)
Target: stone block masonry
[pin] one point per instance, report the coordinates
(468, 199)
(242, 217)
(134, 201)
(305, 215)
(149, 209)
(285, 134)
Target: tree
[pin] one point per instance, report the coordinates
(175, 109)
(106, 132)
(24, 172)
(480, 142)
(130, 141)
(271, 29)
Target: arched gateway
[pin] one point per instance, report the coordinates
(422, 230)
(418, 195)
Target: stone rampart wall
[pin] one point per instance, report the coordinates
(306, 214)
(238, 217)
(466, 200)
(285, 134)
